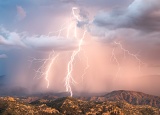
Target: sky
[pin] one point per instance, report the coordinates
(119, 51)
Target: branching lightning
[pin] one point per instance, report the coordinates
(71, 29)
(69, 78)
(47, 67)
(125, 52)
(44, 69)
(140, 62)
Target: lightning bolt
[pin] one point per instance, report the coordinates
(140, 62)
(43, 70)
(74, 14)
(48, 69)
(69, 78)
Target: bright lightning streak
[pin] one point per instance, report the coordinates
(43, 67)
(74, 14)
(69, 78)
(48, 69)
(39, 71)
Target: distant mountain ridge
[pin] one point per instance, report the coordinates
(73, 106)
(132, 97)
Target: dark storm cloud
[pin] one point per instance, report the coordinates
(141, 14)
(40, 14)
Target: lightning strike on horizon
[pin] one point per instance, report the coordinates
(69, 78)
(48, 69)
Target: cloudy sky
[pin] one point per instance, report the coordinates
(120, 50)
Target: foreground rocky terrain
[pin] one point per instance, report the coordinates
(52, 105)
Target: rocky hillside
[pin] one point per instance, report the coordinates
(132, 97)
(72, 106)
(114, 103)
(14, 106)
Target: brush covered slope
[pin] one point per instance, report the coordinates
(131, 97)
(14, 106)
(74, 106)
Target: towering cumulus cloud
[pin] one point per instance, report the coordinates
(136, 25)
(142, 15)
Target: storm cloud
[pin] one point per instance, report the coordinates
(141, 15)
(32, 30)
(137, 26)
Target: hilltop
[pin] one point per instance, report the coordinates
(132, 97)
(114, 103)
